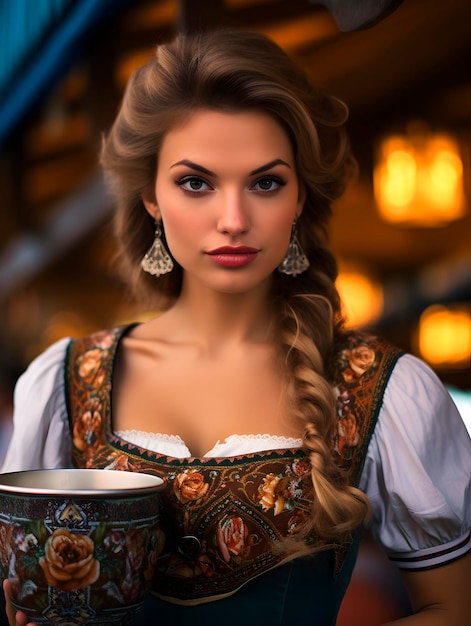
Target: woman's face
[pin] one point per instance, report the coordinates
(227, 193)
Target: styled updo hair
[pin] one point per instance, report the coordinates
(241, 71)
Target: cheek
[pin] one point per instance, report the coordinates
(180, 228)
(283, 230)
(178, 223)
(281, 225)
(184, 231)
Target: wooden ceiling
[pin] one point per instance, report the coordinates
(55, 246)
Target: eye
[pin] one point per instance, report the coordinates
(268, 184)
(193, 184)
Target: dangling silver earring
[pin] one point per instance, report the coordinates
(295, 261)
(157, 260)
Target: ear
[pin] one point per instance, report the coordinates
(151, 206)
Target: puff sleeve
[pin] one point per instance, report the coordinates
(41, 437)
(418, 470)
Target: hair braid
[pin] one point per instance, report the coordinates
(338, 507)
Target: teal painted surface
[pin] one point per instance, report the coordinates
(24, 25)
(39, 40)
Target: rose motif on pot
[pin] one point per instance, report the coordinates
(189, 486)
(22, 540)
(69, 562)
(5, 547)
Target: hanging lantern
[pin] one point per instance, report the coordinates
(445, 336)
(418, 179)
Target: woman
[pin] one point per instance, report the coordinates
(277, 430)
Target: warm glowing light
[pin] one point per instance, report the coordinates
(445, 335)
(418, 179)
(65, 324)
(362, 297)
(399, 182)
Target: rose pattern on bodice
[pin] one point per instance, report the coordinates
(224, 520)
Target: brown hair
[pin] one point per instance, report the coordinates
(232, 70)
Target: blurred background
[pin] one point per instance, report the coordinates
(402, 232)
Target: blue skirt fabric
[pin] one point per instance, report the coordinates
(304, 590)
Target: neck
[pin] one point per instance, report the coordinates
(214, 320)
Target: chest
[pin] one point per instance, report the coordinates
(93, 379)
(202, 400)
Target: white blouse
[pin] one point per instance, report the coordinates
(417, 472)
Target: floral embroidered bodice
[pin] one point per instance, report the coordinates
(224, 521)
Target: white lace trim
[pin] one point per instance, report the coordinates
(173, 445)
(131, 435)
(279, 440)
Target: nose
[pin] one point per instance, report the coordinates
(233, 216)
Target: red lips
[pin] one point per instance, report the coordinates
(233, 256)
(233, 250)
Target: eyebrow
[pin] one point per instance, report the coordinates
(204, 170)
(268, 166)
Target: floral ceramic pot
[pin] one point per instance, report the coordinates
(79, 546)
